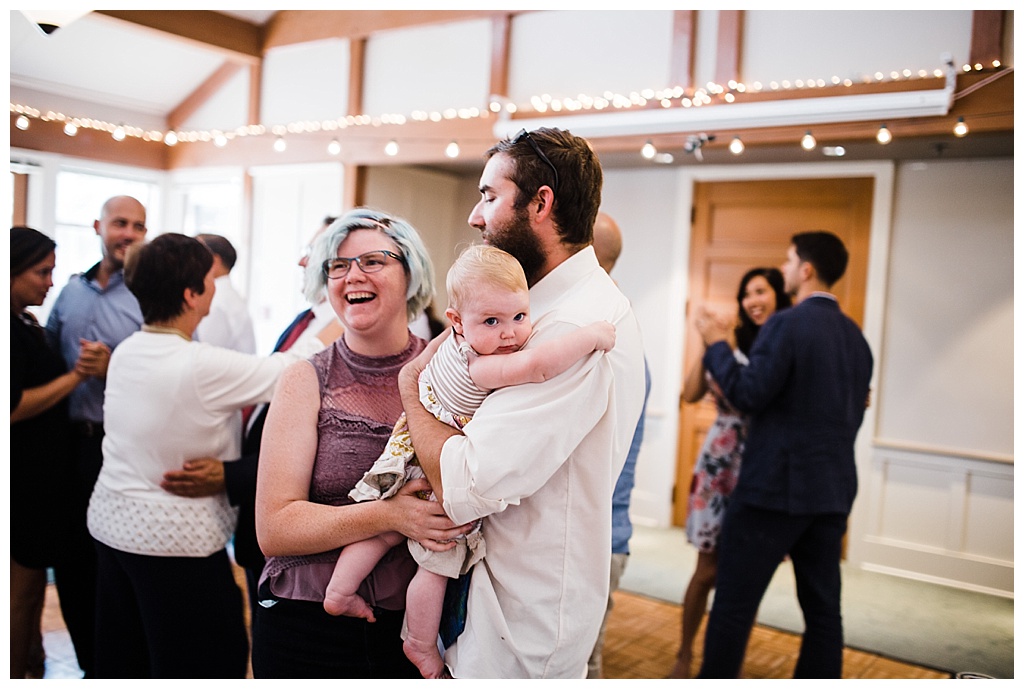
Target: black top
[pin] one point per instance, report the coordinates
(42, 455)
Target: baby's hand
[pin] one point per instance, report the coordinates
(604, 335)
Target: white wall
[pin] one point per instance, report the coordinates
(289, 205)
(307, 81)
(567, 53)
(435, 204)
(871, 40)
(949, 317)
(937, 489)
(429, 68)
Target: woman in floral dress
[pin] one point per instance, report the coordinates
(761, 294)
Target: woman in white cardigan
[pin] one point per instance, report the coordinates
(167, 601)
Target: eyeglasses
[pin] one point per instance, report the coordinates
(370, 262)
(523, 134)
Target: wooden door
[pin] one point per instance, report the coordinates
(740, 225)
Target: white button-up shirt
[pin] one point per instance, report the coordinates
(540, 461)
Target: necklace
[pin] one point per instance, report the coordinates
(168, 331)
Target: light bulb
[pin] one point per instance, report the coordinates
(648, 151)
(736, 146)
(119, 133)
(960, 129)
(452, 150)
(808, 142)
(280, 145)
(21, 122)
(334, 148)
(170, 138)
(391, 148)
(220, 141)
(70, 128)
(883, 136)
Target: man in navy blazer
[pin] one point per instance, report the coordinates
(805, 389)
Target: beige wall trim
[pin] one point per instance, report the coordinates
(925, 449)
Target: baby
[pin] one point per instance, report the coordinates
(490, 315)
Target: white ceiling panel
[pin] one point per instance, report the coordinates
(99, 59)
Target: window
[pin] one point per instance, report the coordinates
(78, 201)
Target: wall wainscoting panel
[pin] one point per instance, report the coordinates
(940, 518)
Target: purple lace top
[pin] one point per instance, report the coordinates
(359, 405)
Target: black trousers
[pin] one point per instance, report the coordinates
(752, 545)
(75, 574)
(298, 639)
(168, 617)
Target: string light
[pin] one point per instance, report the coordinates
(391, 148)
(334, 148)
(676, 96)
(648, 151)
(21, 122)
(70, 128)
(883, 136)
(280, 145)
(220, 140)
(452, 150)
(960, 129)
(736, 146)
(808, 142)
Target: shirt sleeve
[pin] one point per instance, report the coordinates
(230, 380)
(521, 436)
(752, 387)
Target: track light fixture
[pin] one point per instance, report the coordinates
(695, 143)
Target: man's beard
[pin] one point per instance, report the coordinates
(518, 239)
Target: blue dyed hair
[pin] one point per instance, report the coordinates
(418, 268)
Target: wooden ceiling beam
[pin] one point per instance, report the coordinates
(288, 27)
(684, 46)
(237, 39)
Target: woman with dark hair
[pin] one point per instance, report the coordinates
(761, 293)
(42, 458)
(167, 601)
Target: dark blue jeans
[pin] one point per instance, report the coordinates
(752, 545)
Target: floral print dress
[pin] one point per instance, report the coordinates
(716, 471)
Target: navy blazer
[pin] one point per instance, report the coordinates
(806, 389)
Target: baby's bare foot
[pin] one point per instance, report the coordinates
(425, 657)
(348, 605)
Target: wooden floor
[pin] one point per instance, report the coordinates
(643, 636)
(640, 643)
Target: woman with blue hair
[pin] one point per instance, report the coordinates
(330, 419)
